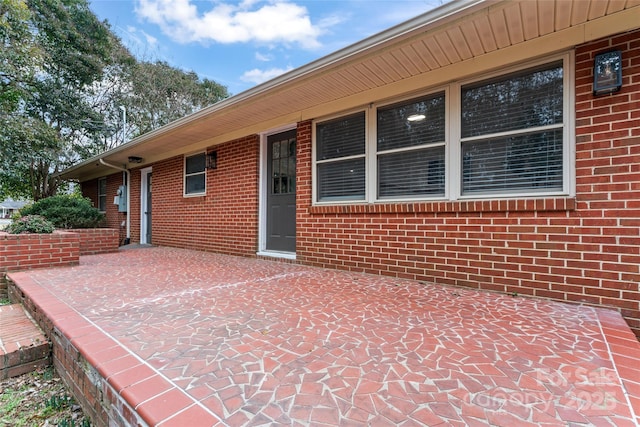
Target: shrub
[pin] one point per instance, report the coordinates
(66, 211)
(30, 224)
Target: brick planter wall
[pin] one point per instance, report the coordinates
(61, 248)
(97, 240)
(27, 251)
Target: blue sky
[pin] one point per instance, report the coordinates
(242, 43)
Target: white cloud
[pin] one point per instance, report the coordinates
(133, 34)
(258, 76)
(335, 19)
(263, 57)
(150, 39)
(249, 21)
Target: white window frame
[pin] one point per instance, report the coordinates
(185, 175)
(568, 131)
(453, 144)
(367, 169)
(103, 179)
(373, 144)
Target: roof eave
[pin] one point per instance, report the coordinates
(438, 15)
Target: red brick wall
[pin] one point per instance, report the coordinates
(95, 241)
(27, 251)
(115, 219)
(90, 189)
(226, 218)
(585, 249)
(608, 177)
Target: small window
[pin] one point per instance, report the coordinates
(512, 133)
(340, 158)
(195, 174)
(102, 194)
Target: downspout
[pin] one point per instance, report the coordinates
(128, 184)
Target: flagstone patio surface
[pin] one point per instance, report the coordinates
(199, 339)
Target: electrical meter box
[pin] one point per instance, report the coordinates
(122, 198)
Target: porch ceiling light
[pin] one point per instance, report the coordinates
(416, 117)
(135, 159)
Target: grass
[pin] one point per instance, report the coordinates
(36, 399)
(39, 398)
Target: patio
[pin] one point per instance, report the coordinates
(200, 339)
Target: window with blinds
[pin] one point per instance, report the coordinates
(340, 158)
(512, 131)
(195, 174)
(411, 148)
(504, 136)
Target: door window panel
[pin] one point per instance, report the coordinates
(283, 166)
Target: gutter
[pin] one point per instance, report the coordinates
(127, 184)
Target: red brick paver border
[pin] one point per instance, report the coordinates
(23, 346)
(191, 338)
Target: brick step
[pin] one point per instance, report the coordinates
(23, 346)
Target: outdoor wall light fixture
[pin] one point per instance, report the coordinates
(135, 159)
(416, 117)
(212, 160)
(607, 72)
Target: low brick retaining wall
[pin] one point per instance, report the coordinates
(23, 347)
(95, 241)
(98, 398)
(60, 248)
(27, 251)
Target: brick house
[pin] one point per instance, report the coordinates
(464, 147)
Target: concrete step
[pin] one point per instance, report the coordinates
(23, 346)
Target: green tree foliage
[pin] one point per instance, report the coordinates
(64, 80)
(30, 224)
(162, 94)
(66, 211)
(29, 148)
(18, 53)
(38, 135)
(153, 94)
